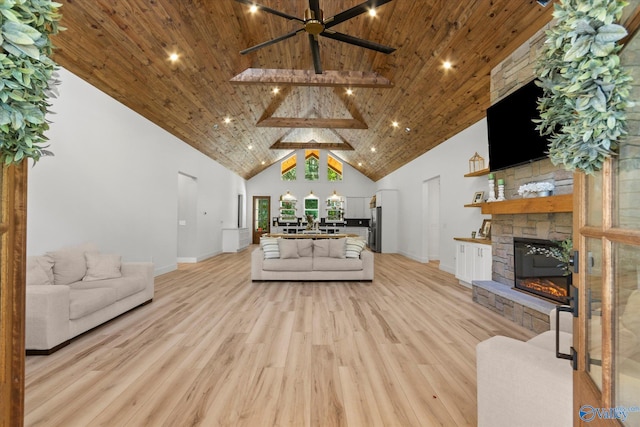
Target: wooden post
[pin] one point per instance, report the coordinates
(13, 231)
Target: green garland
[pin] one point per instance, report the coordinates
(586, 91)
(27, 76)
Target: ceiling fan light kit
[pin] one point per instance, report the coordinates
(315, 25)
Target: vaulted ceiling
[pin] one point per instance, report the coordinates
(123, 48)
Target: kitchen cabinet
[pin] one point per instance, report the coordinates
(473, 261)
(357, 207)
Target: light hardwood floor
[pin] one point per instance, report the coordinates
(214, 349)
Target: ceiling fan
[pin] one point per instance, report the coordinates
(315, 25)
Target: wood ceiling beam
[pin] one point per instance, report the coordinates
(336, 146)
(309, 78)
(320, 123)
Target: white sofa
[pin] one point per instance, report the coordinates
(73, 290)
(523, 383)
(312, 260)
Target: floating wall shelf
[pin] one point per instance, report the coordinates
(551, 204)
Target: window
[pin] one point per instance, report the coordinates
(311, 165)
(288, 169)
(334, 169)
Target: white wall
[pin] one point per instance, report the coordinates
(449, 161)
(114, 181)
(269, 183)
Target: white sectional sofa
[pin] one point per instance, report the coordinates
(73, 290)
(312, 260)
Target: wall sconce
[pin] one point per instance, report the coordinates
(476, 163)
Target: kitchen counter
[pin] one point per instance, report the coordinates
(311, 235)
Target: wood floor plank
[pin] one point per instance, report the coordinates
(215, 349)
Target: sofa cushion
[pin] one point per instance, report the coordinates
(337, 248)
(123, 286)
(336, 264)
(354, 247)
(83, 302)
(305, 247)
(299, 264)
(39, 270)
(321, 248)
(288, 248)
(69, 264)
(102, 266)
(270, 247)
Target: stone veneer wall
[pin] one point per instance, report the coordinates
(512, 73)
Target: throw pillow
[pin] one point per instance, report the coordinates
(337, 248)
(36, 274)
(305, 247)
(288, 248)
(354, 247)
(69, 264)
(321, 247)
(102, 266)
(270, 247)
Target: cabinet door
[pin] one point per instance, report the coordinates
(464, 262)
(482, 262)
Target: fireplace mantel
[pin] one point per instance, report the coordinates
(550, 204)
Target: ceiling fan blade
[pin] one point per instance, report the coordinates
(353, 12)
(358, 42)
(315, 52)
(270, 42)
(271, 11)
(314, 5)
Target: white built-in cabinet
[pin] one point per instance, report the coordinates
(235, 239)
(473, 261)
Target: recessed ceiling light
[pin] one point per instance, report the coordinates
(395, 124)
(372, 12)
(447, 65)
(173, 57)
(373, 149)
(263, 162)
(253, 8)
(349, 91)
(359, 163)
(227, 120)
(275, 90)
(250, 147)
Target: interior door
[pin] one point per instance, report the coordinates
(261, 214)
(607, 235)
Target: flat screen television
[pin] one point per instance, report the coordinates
(513, 138)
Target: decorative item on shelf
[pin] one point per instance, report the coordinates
(501, 190)
(536, 189)
(473, 234)
(492, 189)
(478, 197)
(476, 163)
(485, 230)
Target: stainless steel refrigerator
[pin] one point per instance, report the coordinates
(375, 230)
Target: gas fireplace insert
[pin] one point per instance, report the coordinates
(538, 272)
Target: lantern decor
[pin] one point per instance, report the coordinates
(476, 163)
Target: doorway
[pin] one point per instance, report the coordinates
(187, 218)
(261, 214)
(431, 220)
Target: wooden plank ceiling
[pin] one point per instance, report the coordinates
(123, 48)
